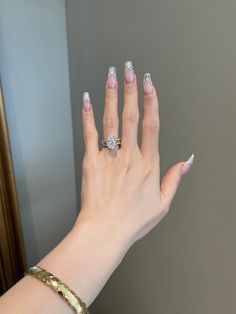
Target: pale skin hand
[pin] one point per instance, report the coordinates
(122, 200)
(123, 187)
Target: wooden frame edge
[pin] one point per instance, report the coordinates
(12, 251)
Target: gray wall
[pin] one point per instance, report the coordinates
(34, 74)
(187, 263)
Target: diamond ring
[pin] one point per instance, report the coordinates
(111, 142)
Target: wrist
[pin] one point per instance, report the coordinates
(111, 231)
(87, 256)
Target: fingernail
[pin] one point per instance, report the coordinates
(187, 165)
(129, 72)
(111, 78)
(147, 84)
(86, 102)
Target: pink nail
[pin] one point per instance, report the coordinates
(129, 72)
(147, 84)
(187, 165)
(86, 102)
(111, 78)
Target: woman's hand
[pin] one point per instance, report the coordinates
(122, 199)
(121, 188)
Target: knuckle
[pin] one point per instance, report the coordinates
(111, 95)
(85, 165)
(150, 100)
(132, 117)
(91, 134)
(110, 122)
(151, 126)
(88, 165)
(131, 89)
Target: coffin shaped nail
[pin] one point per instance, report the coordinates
(111, 77)
(86, 102)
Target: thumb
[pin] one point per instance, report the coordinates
(171, 180)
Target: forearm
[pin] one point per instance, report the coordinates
(84, 260)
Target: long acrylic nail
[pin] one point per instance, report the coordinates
(187, 165)
(147, 84)
(86, 102)
(111, 77)
(129, 72)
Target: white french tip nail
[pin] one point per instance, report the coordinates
(190, 160)
(147, 77)
(112, 71)
(86, 96)
(129, 66)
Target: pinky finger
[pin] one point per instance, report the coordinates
(89, 128)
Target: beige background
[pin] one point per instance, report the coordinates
(188, 262)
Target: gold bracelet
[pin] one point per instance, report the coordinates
(57, 285)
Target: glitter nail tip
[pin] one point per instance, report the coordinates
(147, 77)
(112, 71)
(129, 66)
(86, 96)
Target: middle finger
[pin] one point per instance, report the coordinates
(110, 117)
(130, 114)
